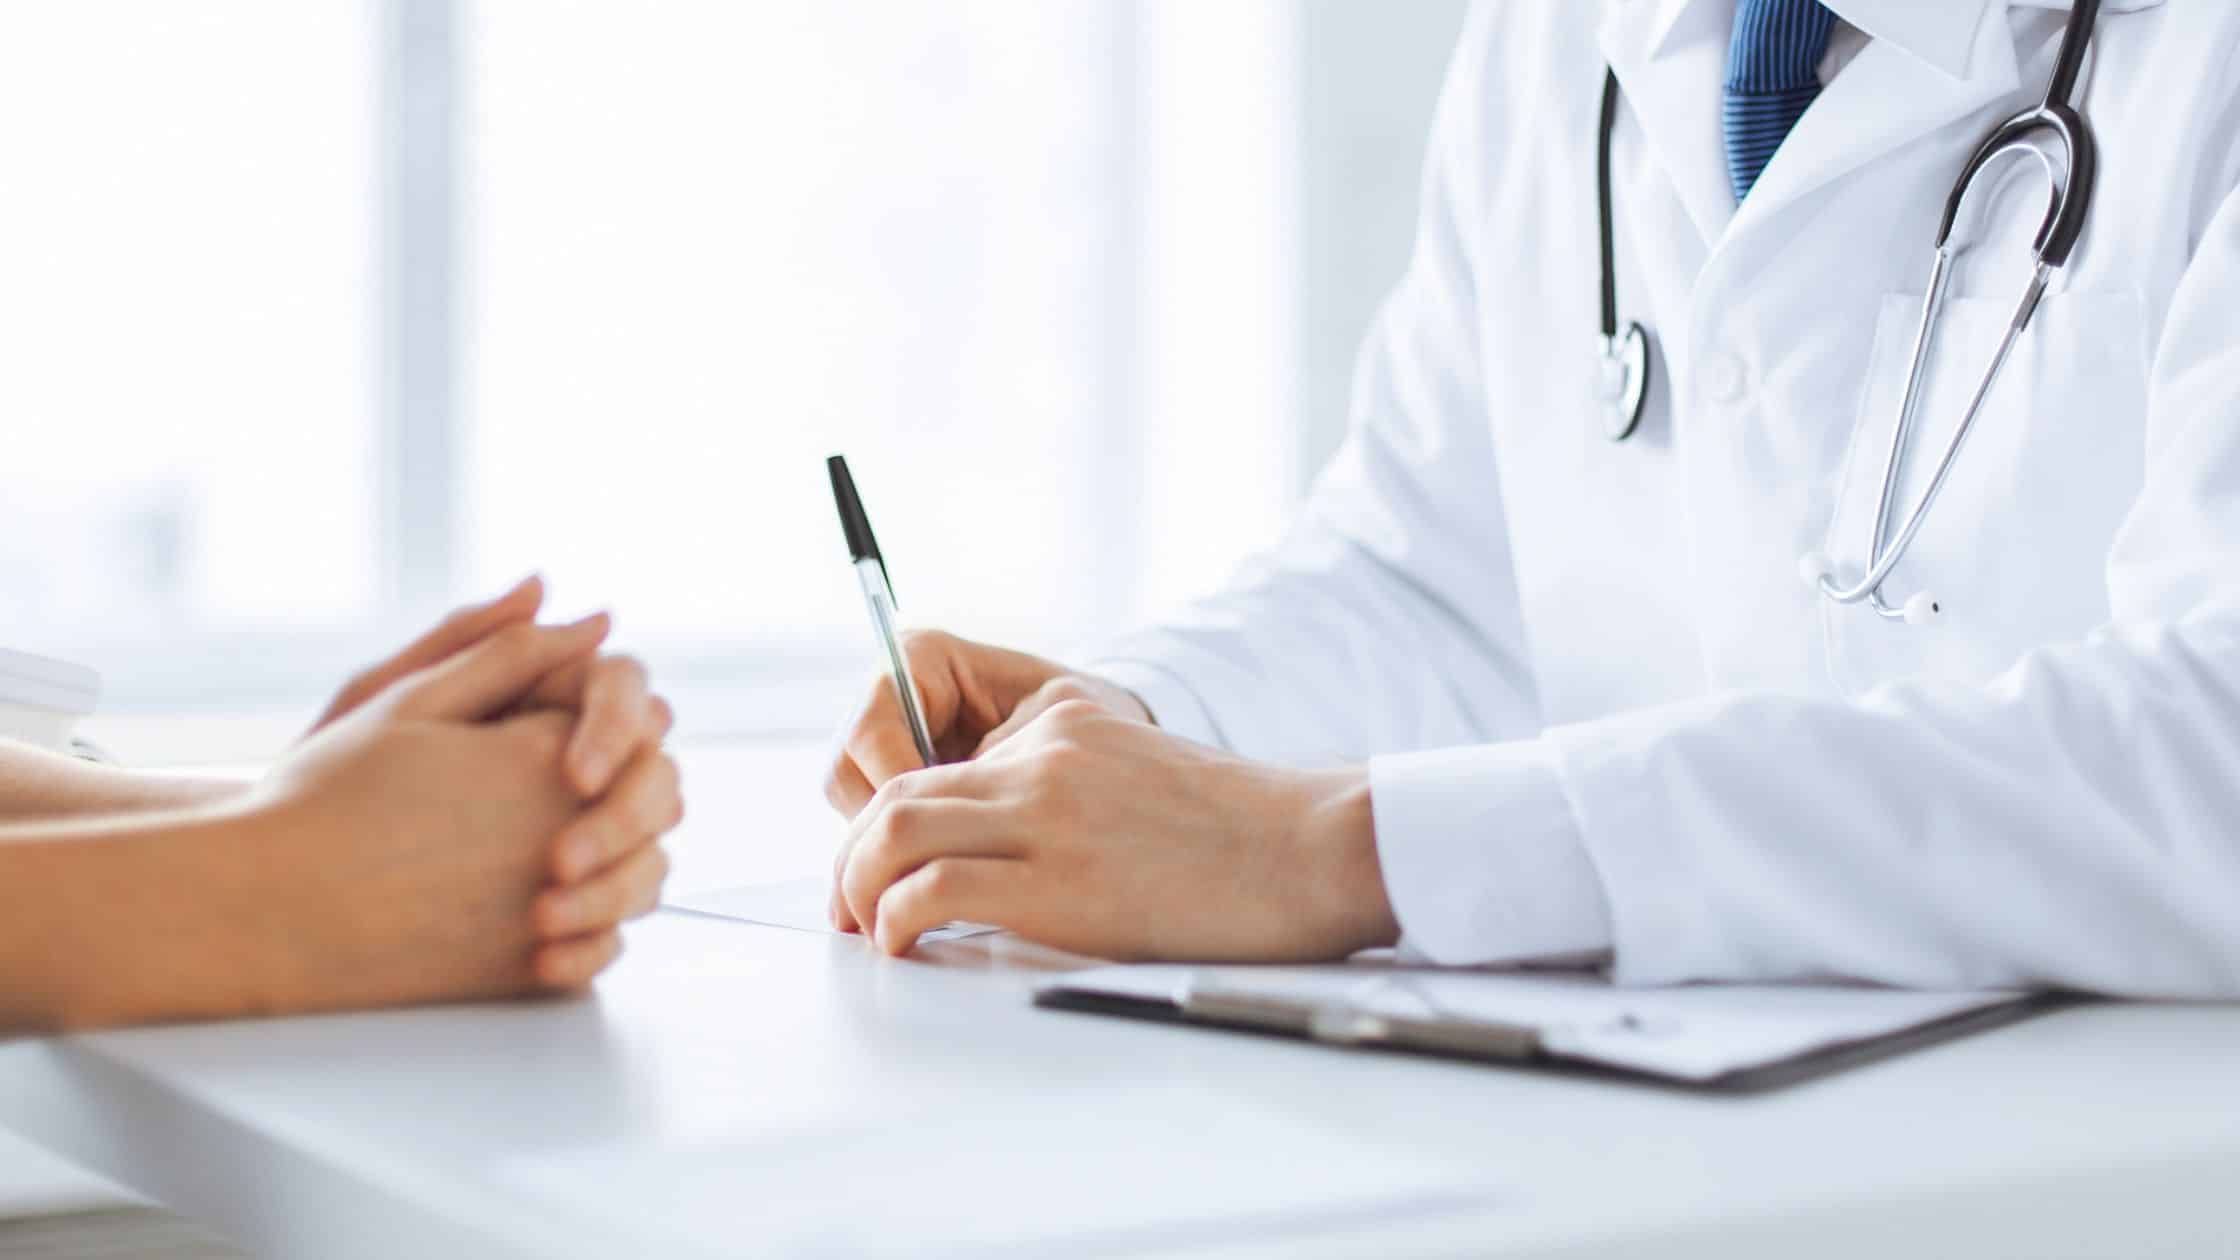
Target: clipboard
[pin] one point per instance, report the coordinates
(1716, 1038)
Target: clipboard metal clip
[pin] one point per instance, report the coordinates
(1339, 1025)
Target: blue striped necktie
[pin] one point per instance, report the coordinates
(1773, 74)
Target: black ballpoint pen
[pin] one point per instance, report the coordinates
(878, 594)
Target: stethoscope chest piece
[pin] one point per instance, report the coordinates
(1625, 382)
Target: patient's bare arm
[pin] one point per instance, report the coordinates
(38, 784)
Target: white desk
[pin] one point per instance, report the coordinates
(729, 1088)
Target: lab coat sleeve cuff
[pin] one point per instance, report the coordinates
(1483, 858)
(1174, 706)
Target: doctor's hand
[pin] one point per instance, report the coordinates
(406, 851)
(1104, 836)
(976, 696)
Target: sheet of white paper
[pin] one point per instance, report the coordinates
(800, 904)
(1692, 1032)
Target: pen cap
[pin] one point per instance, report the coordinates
(853, 522)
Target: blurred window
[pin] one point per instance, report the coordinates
(319, 314)
(184, 261)
(713, 243)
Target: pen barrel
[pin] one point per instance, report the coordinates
(872, 576)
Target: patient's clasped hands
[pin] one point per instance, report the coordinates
(536, 793)
(474, 817)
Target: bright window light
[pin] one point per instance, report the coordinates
(319, 314)
(183, 268)
(713, 243)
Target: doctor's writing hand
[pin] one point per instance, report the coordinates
(434, 813)
(1104, 836)
(975, 697)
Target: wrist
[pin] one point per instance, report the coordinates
(254, 957)
(1346, 895)
(188, 948)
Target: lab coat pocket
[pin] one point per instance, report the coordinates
(2014, 549)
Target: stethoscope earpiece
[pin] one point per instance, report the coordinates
(1817, 574)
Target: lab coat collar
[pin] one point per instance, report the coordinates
(1670, 64)
(1887, 98)
(1940, 32)
(1930, 64)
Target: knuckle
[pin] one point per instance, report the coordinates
(1065, 687)
(896, 790)
(902, 823)
(1071, 713)
(939, 881)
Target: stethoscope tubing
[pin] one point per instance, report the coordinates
(2073, 180)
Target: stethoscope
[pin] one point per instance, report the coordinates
(2070, 166)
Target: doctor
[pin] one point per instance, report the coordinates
(1513, 690)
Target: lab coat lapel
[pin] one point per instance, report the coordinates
(1670, 65)
(1885, 99)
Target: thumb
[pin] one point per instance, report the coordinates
(490, 677)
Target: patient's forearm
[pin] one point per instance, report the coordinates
(35, 783)
(128, 919)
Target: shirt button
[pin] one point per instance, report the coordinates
(1725, 378)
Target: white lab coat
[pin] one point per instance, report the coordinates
(1601, 708)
